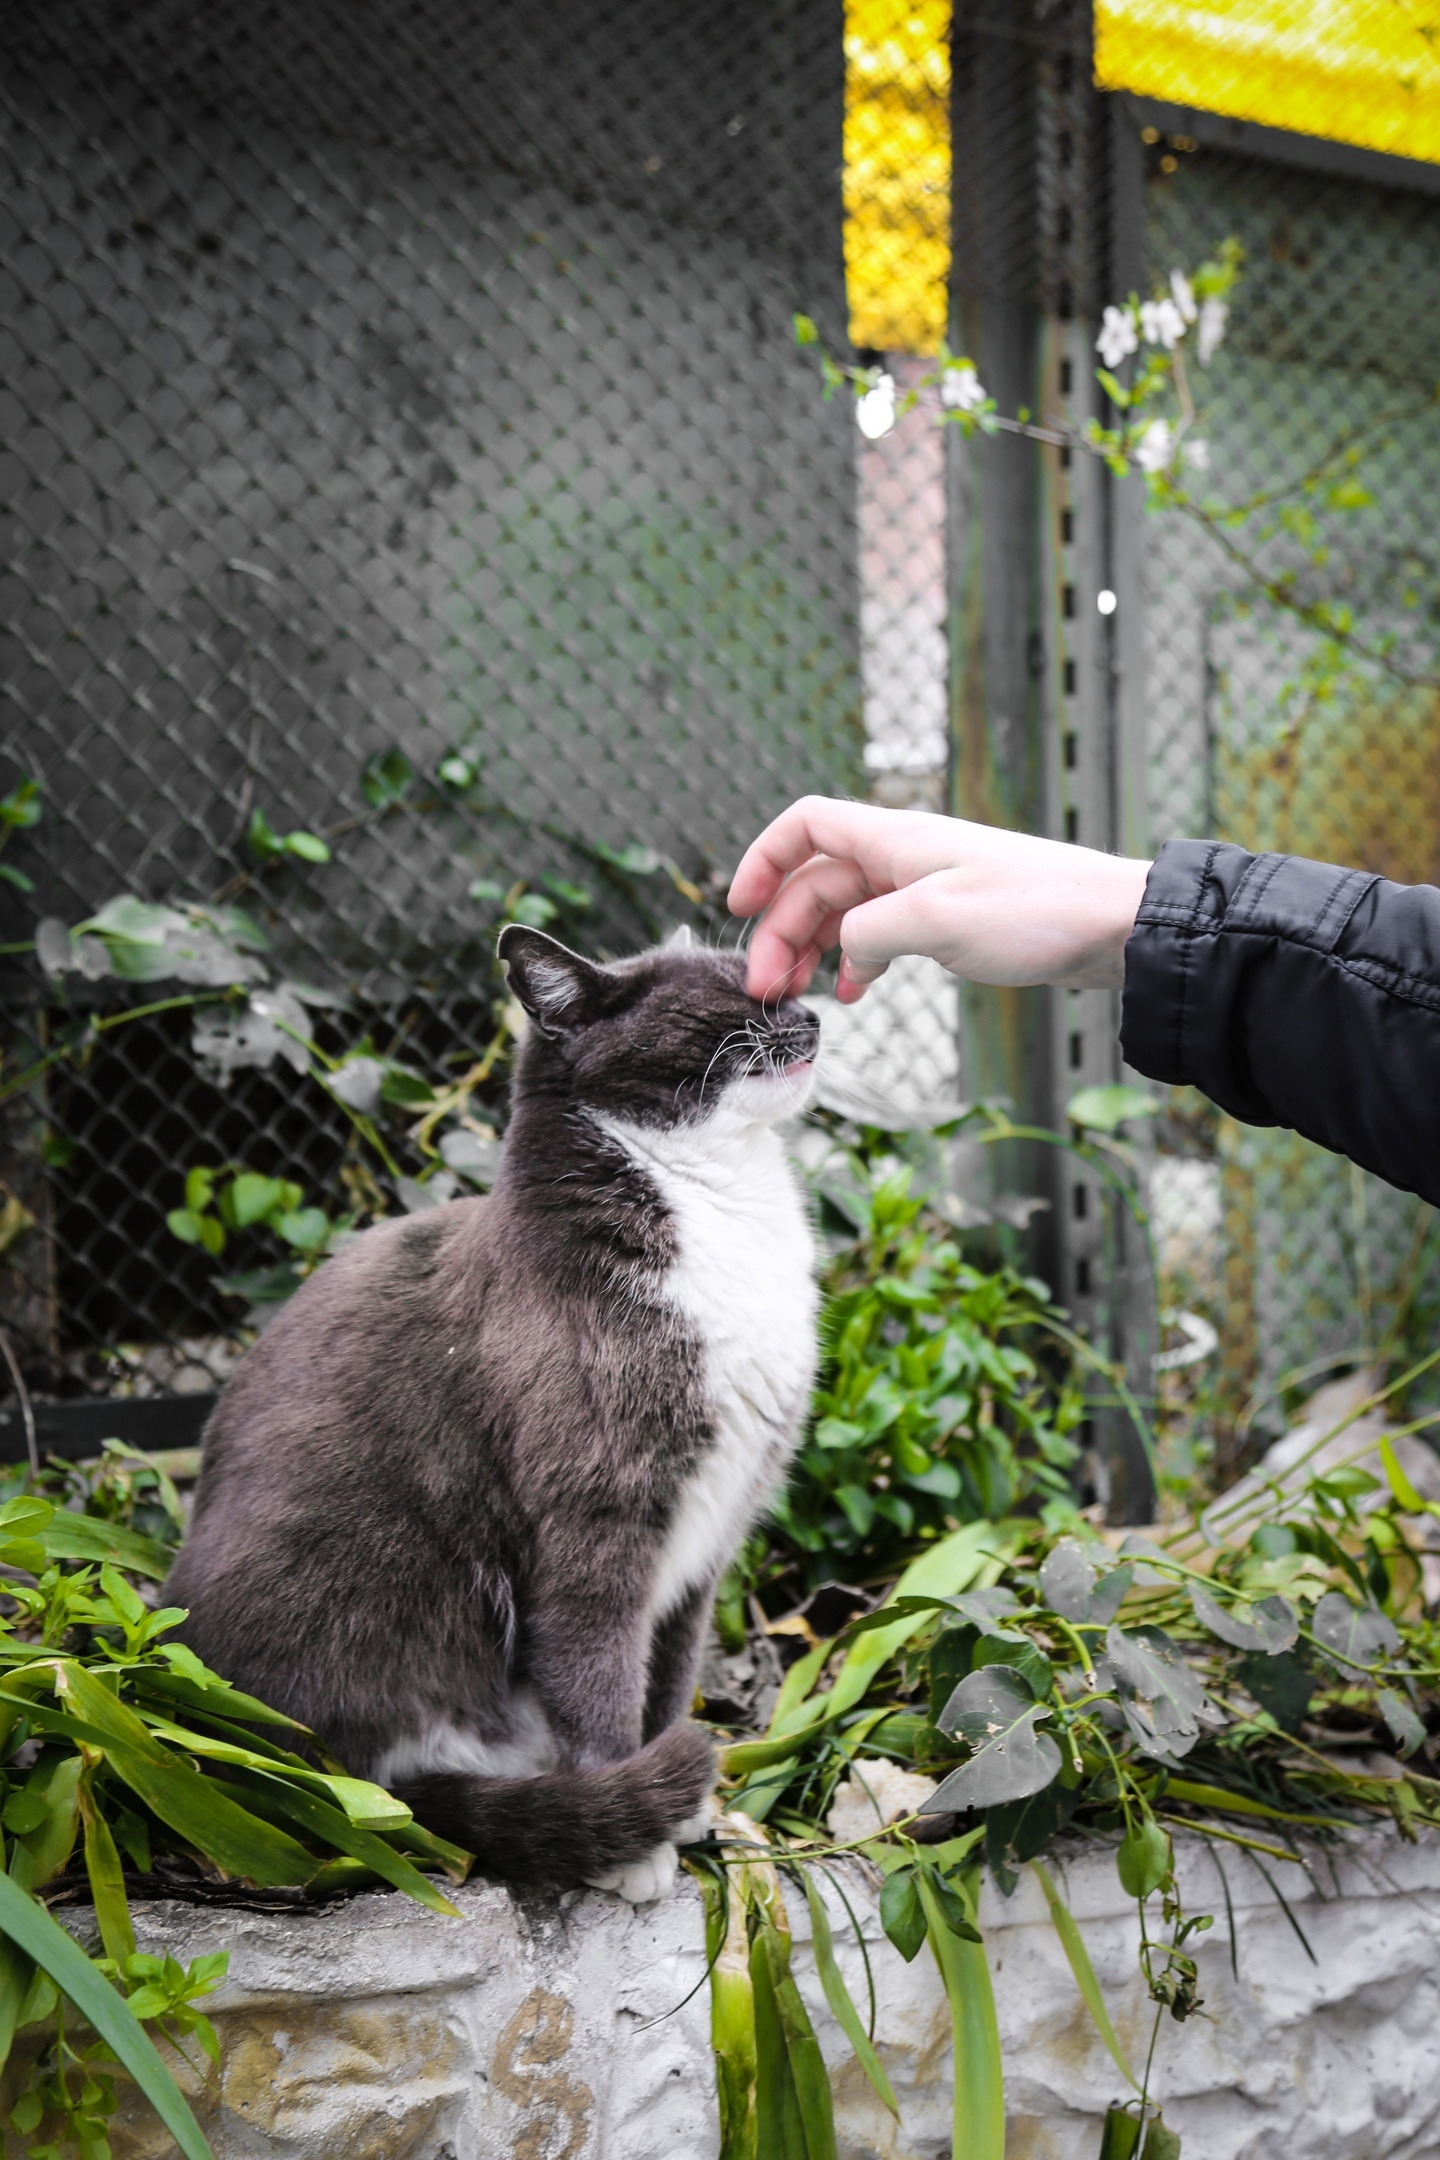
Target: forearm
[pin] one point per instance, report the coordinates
(1294, 993)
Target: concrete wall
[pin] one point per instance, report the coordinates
(549, 2028)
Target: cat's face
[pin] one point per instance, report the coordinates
(668, 1038)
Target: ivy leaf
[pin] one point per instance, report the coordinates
(1356, 1634)
(388, 777)
(356, 1083)
(1272, 1626)
(305, 1228)
(1162, 1701)
(1400, 1716)
(901, 1913)
(1070, 1587)
(1067, 1580)
(994, 1710)
(984, 1609)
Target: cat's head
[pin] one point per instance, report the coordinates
(670, 1037)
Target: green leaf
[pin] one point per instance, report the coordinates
(25, 1811)
(485, 888)
(334, 1828)
(261, 838)
(305, 1228)
(184, 1224)
(308, 846)
(11, 876)
(1104, 1109)
(1355, 1634)
(1271, 1626)
(253, 1199)
(107, 1881)
(16, 1973)
(994, 1710)
(843, 2010)
(533, 909)
(458, 772)
(979, 2117)
(400, 1085)
(389, 775)
(22, 806)
(1072, 1943)
(199, 1188)
(26, 1922)
(858, 1507)
(1144, 1859)
(901, 1913)
(1400, 1485)
(207, 1818)
(86, 1537)
(805, 330)
(947, 1567)
(780, 2127)
(1401, 1717)
(808, 2080)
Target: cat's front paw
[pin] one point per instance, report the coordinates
(639, 1882)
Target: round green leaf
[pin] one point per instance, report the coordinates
(1143, 1861)
(308, 846)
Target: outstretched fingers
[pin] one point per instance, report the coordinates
(801, 924)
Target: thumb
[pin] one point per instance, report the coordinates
(879, 931)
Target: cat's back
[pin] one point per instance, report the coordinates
(345, 1354)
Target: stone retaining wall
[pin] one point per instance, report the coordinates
(547, 2029)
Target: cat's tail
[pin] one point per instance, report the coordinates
(568, 1827)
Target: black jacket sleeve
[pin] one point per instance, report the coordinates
(1294, 993)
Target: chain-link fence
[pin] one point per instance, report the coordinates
(405, 446)
(408, 462)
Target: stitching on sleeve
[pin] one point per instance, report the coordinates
(1202, 883)
(1255, 879)
(1359, 883)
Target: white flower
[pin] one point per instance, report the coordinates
(1214, 314)
(875, 411)
(1196, 454)
(1161, 323)
(1117, 335)
(1156, 447)
(1183, 294)
(962, 389)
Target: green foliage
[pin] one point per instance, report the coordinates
(939, 1400)
(19, 810)
(119, 1742)
(266, 845)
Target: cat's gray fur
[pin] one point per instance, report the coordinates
(463, 1506)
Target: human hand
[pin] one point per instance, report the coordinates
(990, 905)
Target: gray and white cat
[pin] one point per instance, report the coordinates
(464, 1505)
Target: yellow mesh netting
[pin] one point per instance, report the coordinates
(1357, 71)
(897, 171)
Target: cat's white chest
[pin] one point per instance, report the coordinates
(744, 1279)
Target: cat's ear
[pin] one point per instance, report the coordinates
(681, 939)
(557, 988)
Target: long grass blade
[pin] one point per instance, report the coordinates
(807, 2065)
(779, 2125)
(334, 1828)
(1073, 1944)
(107, 1880)
(979, 2122)
(17, 1970)
(191, 1804)
(843, 2009)
(732, 2018)
(30, 1926)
